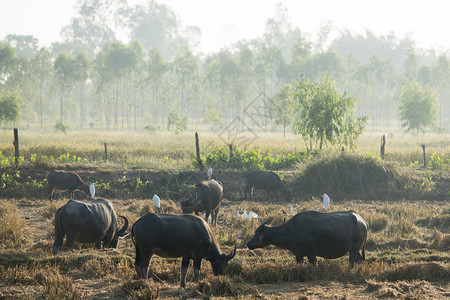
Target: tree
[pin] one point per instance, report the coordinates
(323, 116)
(10, 108)
(94, 26)
(24, 44)
(176, 122)
(283, 107)
(418, 109)
(65, 74)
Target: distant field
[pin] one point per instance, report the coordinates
(166, 150)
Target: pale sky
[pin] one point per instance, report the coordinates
(227, 21)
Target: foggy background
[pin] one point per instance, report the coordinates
(120, 64)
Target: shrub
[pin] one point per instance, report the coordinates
(344, 174)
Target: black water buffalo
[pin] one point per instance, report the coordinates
(266, 181)
(65, 181)
(170, 236)
(311, 234)
(206, 197)
(87, 222)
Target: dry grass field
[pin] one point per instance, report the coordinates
(407, 257)
(408, 211)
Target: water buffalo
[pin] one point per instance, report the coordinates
(170, 236)
(65, 181)
(87, 222)
(311, 234)
(266, 181)
(206, 197)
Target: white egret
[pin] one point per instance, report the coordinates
(245, 216)
(253, 215)
(92, 190)
(291, 210)
(326, 201)
(210, 171)
(156, 201)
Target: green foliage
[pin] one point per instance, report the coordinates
(418, 109)
(67, 158)
(150, 128)
(218, 158)
(324, 117)
(176, 122)
(10, 108)
(436, 162)
(9, 180)
(283, 107)
(61, 126)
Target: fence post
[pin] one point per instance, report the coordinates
(16, 147)
(383, 144)
(197, 150)
(230, 146)
(106, 152)
(424, 157)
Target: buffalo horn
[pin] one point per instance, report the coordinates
(232, 254)
(124, 227)
(264, 223)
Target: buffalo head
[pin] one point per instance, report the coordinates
(119, 233)
(258, 240)
(220, 264)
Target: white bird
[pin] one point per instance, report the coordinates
(326, 201)
(209, 217)
(291, 210)
(210, 171)
(156, 201)
(253, 215)
(245, 216)
(238, 215)
(92, 190)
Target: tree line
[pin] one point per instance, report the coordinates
(158, 79)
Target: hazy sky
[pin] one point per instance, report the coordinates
(226, 21)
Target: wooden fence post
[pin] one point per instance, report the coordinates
(383, 144)
(230, 146)
(106, 152)
(424, 156)
(16, 147)
(197, 149)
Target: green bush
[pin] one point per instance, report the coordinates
(218, 158)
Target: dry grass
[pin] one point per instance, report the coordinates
(401, 262)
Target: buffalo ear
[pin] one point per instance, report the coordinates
(260, 237)
(232, 254)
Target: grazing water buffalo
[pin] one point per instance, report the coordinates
(311, 234)
(65, 181)
(170, 236)
(266, 181)
(87, 222)
(206, 197)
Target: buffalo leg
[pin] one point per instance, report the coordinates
(98, 245)
(142, 265)
(50, 192)
(197, 265)
(299, 259)
(70, 240)
(312, 259)
(207, 216)
(57, 244)
(184, 267)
